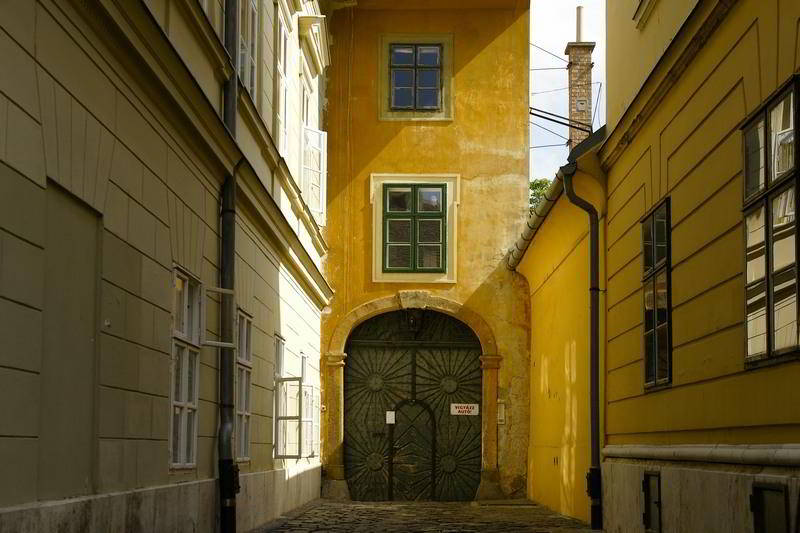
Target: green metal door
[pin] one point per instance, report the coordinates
(415, 364)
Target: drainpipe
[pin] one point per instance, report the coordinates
(228, 471)
(593, 477)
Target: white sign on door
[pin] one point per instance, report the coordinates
(464, 409)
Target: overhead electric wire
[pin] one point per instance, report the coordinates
(549, 68)
(548, 145)
(565, 88)
(548, 52)
(551, 131)
(597, 102)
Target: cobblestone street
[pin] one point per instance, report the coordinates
(486, 517)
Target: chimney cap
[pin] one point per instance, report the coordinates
(583, 44)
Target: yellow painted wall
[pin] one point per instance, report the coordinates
(556, 266)
(626, 71)
(486, 142)
(690, 149)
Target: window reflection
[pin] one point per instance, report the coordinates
(781, 133)
(785, 280)
(754, 158)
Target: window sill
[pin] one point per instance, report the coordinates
(766, 360)
(656, 387)
(182, 468)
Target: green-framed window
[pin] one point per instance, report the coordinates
(415, 227)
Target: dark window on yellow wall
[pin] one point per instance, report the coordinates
(415, 77)
(414, 228)
(770, 507)
(770, 226)
(651, 487)
(657, 308)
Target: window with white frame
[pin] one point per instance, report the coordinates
(248, 39)
(281, 85)
(244, 372)
(296, 409)
(185, 369)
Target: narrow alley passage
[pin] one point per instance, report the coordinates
(413, 517)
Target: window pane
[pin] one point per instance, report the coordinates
(649, 331)
(402, 55)
(661, 227)
(428, 78)
(756, 264)
(781, 134)
(398, 230)
(430, 200)
(399, 200)
(246, 405)
(662, 326)
(177, 375)
(176, 434)
(647, 244)
(403, 98)
(190, 436)
(649, 357)
(398, 256)
(191, 381)
(754, 158)
(429, 230)
(785, 309)
(246, 437)
(180, 305)
(783, 230)
(240, 381)
(428, 98)
(428, 56)
(402, 77)
(756, 319)
(429, 256)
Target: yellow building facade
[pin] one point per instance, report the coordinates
(694, 181)
(471, 144)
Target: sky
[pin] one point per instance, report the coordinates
(552, 27)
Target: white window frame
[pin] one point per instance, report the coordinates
(187, 325)
(453, 200)
(319, 211)
(281, 85)
(248, 39)
(244, 374)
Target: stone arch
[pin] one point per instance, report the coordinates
(416, 300)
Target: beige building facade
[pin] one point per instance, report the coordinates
(122, 124)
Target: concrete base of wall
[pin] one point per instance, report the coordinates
(185, 507)
(694, 496)
(489, 488)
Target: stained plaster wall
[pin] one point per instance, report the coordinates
(486, 142)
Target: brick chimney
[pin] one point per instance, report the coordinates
(580, 82)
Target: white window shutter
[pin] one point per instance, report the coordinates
(323, 187)
(314, 170)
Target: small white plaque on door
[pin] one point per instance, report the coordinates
(390, 417)
(464, 409)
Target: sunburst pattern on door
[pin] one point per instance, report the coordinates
(416, 363)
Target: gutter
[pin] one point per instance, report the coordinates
(563, 183)
(228, 471)
(593, 477)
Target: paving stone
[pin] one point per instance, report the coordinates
(423, 517)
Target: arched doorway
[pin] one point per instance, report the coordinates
(404, 371)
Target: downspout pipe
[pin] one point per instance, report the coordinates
(227, 469)
(593, 477)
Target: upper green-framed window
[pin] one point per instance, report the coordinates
(415, 77)
(414, 227)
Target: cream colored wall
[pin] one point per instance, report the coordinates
(631, 52)
(87, 145)
(690, 149)
(486, 143)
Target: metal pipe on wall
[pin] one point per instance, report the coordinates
(228, 471)
(593, 477)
